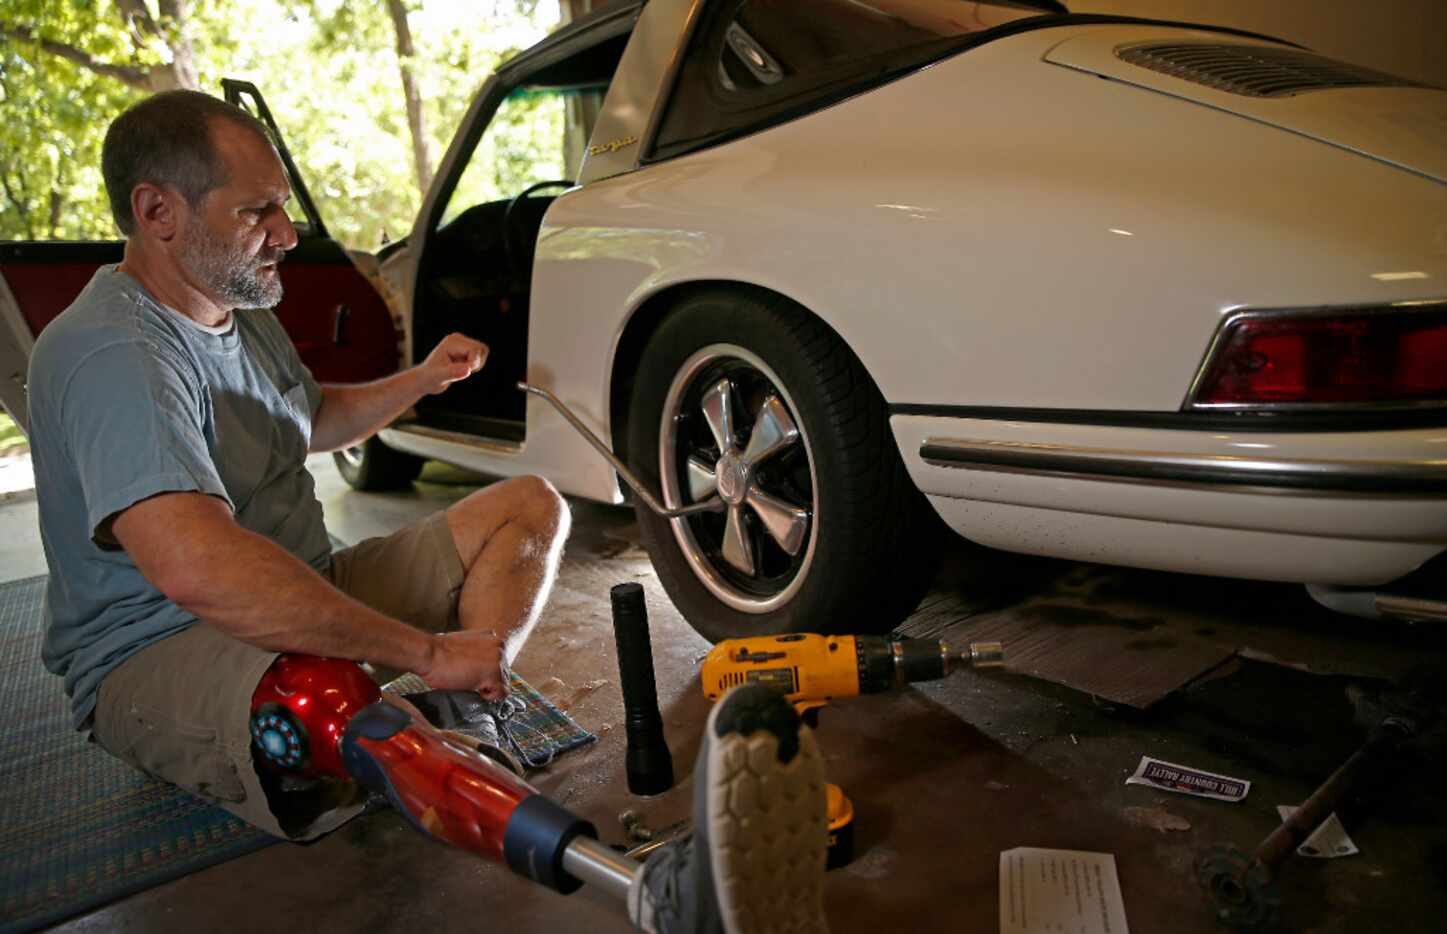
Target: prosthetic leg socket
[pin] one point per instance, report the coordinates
(323, 717)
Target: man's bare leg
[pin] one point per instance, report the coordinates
(510, 538)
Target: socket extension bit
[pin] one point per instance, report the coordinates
(649, 765)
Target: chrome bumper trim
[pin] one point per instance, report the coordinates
(1416, 477)
(1414, 609)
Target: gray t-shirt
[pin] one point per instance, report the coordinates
(128, 399)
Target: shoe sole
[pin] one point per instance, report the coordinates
(762, 815)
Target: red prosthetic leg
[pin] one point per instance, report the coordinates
(323, 717)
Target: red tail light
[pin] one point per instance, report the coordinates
(1385, 357)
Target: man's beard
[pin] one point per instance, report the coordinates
(227, 271)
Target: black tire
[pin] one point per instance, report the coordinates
(374, 467)
(872, 539)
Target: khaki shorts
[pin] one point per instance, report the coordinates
(180, 709)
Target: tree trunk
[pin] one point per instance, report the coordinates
(421, 145)
(183, 54)
(57, 201)
(21, 205)
(179, 73)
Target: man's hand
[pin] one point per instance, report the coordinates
(353, 412)
(467, 661)
(456, 357)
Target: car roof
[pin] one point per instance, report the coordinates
(577, 27)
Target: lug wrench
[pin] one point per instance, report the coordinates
(712, 504)
(1242, 889)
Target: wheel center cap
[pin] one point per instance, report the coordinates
(733, 479)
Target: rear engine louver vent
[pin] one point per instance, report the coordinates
(1254, 70)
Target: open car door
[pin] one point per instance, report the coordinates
(341, 326)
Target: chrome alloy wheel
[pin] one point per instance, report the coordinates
(353, 456)
(728, 429)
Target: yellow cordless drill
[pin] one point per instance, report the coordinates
(811, 670)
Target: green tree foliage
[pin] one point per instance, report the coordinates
(328, 69)
(12, 439)
(50, 183)
(523, 145)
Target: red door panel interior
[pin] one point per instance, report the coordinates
(340, 325)
(45, 281)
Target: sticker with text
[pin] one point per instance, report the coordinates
(1169, 776)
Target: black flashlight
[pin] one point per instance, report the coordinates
(649, 765)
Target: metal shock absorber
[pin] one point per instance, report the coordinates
(1241, 887)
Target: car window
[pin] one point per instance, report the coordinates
(753, 63)
(537, 135)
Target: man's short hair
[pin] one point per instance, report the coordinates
(166, 140)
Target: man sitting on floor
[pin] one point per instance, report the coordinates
(187, 548)
(170, 421)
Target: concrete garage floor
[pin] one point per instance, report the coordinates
(944, 776)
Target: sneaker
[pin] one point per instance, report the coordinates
(464, 718)
(755, 861)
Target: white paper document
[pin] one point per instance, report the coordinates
(1328, 841)
(1059, 892)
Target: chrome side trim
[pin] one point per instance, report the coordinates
(1268, 474)
(1191, 405)
(505, 448)
(1232, 422)
(645, 75)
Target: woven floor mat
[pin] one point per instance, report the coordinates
(79, 828)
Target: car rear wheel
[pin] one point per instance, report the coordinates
(744, 397)
(374, 467)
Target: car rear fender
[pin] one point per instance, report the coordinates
(1055, 241)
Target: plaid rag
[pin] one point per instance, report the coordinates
(525, 722)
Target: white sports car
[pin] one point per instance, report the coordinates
(1125, 291)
